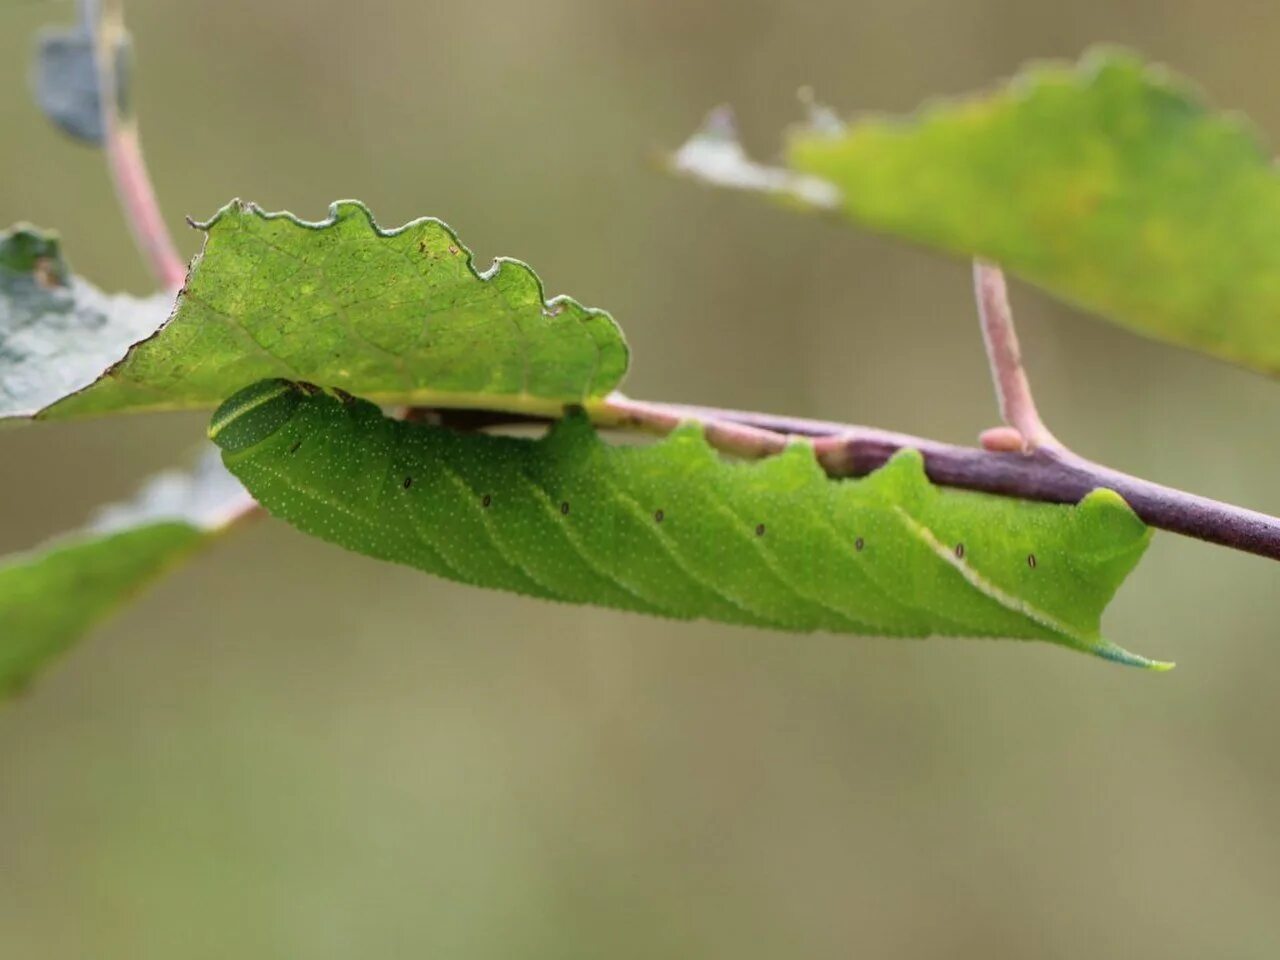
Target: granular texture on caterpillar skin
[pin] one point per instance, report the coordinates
(674, 529)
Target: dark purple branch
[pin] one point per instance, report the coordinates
(1048, 474)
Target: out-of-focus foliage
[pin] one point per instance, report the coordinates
(57, 331)
(64, 76)
(52, 595)
(1109, 183)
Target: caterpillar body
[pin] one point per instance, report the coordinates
(673, 529)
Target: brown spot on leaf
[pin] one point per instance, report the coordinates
(45, 272)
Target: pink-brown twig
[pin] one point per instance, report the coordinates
(1013, 390)
(124, 155)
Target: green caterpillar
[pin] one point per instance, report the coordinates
(673, 529)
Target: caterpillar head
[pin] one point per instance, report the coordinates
(255, 413)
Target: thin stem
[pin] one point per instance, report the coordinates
(1013, 390)
(124, 152)
(1049, 473)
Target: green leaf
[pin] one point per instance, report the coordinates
(58, 332)
(1109, 183)
(402, 316)
(674, 530)
(52, 595)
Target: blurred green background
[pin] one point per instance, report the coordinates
(285, 750)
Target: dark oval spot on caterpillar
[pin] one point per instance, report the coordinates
(858, 544)
(293, 448)
(759, 529)
(959, 551)
(564, 508)
(658, 516)
(486, 500)
(1031, 560)
(408, 482)
(342, 395)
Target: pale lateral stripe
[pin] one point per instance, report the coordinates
(985, 586)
